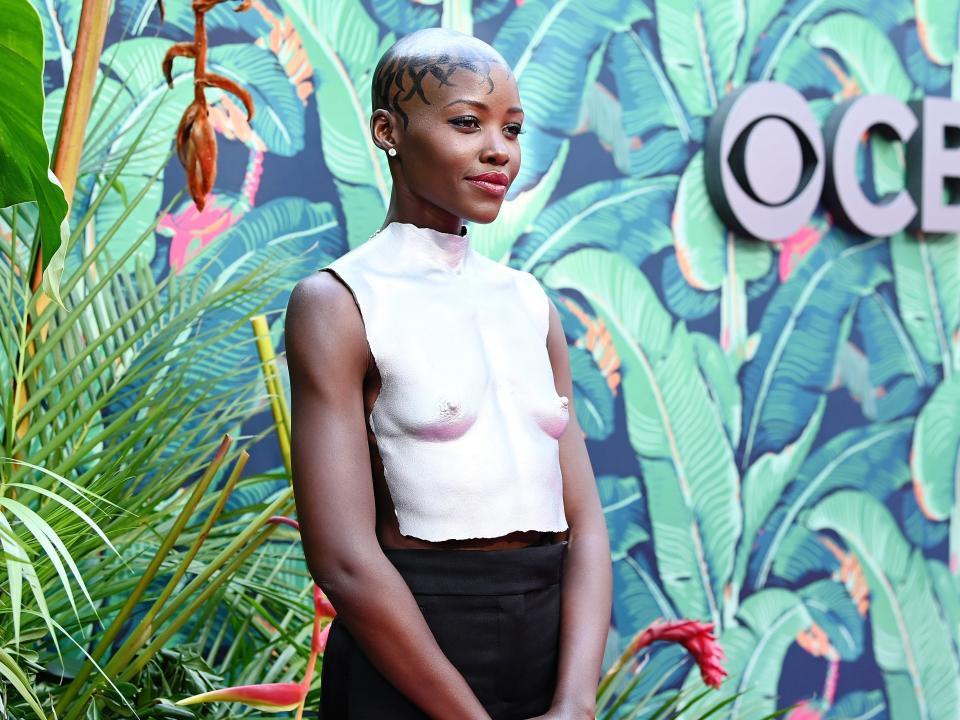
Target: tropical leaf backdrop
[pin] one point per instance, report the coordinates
(775, 427)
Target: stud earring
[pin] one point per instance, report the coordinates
(392, 152)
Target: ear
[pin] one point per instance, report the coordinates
(383, 129)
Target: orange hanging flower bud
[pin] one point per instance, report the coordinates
(196, 138)
(197, 150)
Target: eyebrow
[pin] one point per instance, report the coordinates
(479, 104)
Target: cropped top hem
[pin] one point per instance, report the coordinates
(435, 534)
(467, 420)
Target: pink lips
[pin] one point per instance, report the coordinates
(494, 183)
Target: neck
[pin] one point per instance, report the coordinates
(422, 217)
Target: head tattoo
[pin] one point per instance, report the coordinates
(400, 73)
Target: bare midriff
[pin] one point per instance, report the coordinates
(388, 527)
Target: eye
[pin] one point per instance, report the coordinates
(516, 129)
(465, 120)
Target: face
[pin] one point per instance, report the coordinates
(468, 130)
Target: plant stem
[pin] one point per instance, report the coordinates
(68, 147)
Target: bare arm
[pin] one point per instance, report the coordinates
(587, 584)
(327, 355)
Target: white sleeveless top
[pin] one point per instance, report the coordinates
(467, 421)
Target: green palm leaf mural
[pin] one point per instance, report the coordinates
(343, 46)
(927, 275)
(687, 463)
(624, 216)
(698, 41)
(556, 50)
(865, 458)
(910, 641)
(935, 459)
(801, 330)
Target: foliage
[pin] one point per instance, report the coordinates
(770, 417)
(25, 174)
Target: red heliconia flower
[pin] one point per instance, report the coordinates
(277, 697)
(698, 639)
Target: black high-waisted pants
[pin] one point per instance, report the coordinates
(494, 613)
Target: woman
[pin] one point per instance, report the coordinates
(457, 368)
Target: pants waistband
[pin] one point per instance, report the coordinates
(479, 572)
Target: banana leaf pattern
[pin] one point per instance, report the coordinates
(775, 427)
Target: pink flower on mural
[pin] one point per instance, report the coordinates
(806, 710)
(191, 230)
(795, 247)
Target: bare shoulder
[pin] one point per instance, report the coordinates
(323, 329)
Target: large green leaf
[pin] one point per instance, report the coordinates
(707, 252)
(859, 705)
(834, 611)
(638, 598)
(935, 459)
(802, 330)
(927, 278)
(25, 174)
(801, 66)
(897, 377)
(911, 644)
(688, 469)
(652, 115)
(625, 512)
(556, 50)
(698, 42)
(626, 216)
(867, 52)
(711, 257)
(804, 554)
(759, 14)
(802, 15)
(279, 113)
(343, 45)
(937, 29)
(763, 484)
(139, 17)
(946, 587)
(873, 457)
(721, 378)
(935, 456)
(593, 396)
(61, 21)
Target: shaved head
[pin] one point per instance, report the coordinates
(437, 52)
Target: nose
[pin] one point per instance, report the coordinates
(496, 152)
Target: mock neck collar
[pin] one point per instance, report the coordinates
(447, 251)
